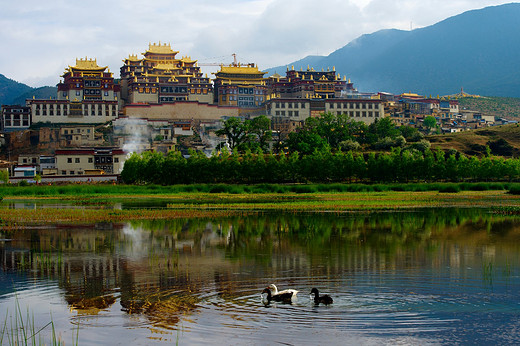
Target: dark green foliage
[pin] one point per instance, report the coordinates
(322, 166)
(514, 189)
(325, 132)
(449, 188)
(253, 134)
(500, 147)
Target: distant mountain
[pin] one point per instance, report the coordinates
(10, 89)
(15, 93)
(478, 50)
(45, 92)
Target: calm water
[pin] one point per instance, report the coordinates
(430, 277)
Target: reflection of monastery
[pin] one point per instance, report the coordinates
(97, 264)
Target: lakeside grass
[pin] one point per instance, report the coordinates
(80, 191)
(213, 205)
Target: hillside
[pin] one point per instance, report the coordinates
(503, 107)
(477, 50)
(10, 89)
(45, 92)
(474, 142)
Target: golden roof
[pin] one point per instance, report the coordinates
(188, 59)
(240, 70)
(87, 64)
(133, 57)
(160, 48)
(166, 66)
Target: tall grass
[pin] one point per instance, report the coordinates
(21, 329)
(80, 191)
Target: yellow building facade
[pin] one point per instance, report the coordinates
(240, 86)
(160, 78)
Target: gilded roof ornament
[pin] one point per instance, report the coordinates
(160, 48)
(87, 64)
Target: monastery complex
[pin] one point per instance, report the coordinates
(161, 85)
(163, 97)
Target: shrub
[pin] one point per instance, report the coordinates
(349, 145)
(449, 188)
(514, 189)
(422, 145)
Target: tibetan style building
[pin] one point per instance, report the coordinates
(240, 86)
(310, 84)
(161, 78)
(86, 95)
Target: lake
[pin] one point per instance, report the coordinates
(431, 276)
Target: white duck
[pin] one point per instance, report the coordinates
(275, 291)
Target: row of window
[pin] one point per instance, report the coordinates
(66, 131)
(16, 116)
(172, 99)
(174, 89)
(352, 114)
(351, 105)
(16, 123)
(93, 83)
(363, 114)
(290, 105)
(245, 104)
(243, 91)
(289, 113)
(88, 92)
(101, 159)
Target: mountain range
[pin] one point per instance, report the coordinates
(15, 93)
(477, 50)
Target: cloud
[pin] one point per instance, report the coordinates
(39, 39)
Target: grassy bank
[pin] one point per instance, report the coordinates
(212, 205)
(81, 191)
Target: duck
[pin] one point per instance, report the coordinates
(267, 296)
(275, 291)
(324, 299)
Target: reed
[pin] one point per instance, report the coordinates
(20, 329)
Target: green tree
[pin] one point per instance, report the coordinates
(235, 131)
(4, 176)
(380, 129)
(327, 130)
(260, 132)
(430, 122)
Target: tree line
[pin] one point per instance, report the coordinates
(322, 166)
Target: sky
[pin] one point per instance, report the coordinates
(39, 39)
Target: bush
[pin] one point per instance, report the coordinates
(514, 189)
(449, 188)
(349, 145)
(422, 145)
(384, 143)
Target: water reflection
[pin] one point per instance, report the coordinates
(417, 277)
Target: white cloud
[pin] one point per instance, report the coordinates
(39, 39)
